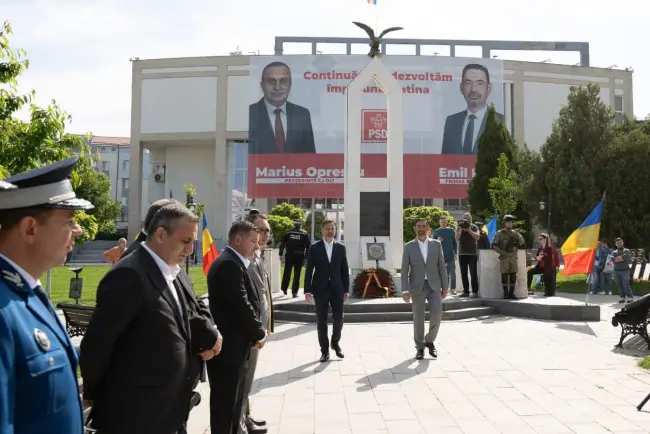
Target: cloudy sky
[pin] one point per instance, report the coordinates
(79, 49)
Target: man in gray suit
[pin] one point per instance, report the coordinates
(260, 279)
(424, 280)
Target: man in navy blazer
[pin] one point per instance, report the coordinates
(463, 129)
(327, 278)
(274, 124)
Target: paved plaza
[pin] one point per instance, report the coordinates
(493, 375)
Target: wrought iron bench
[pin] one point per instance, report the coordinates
(77, 317)
(633, 319)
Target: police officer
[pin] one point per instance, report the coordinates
(506, 243)
(39, 392)
(296, 241)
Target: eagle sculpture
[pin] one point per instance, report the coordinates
(375, 41)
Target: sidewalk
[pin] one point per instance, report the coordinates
(499, 375)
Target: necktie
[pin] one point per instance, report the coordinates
(42, 296)
(468, 143)
(279, 130)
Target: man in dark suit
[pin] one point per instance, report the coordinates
(463, 129)
(136, 355)
(142, 235)
(327, 278)
(276, 126)
(235, 306)
(203, 331)
(262, 283)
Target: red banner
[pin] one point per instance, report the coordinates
(321, 175)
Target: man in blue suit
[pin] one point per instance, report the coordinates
(39, 392)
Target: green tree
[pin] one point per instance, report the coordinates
(319, 218)
(627, 178)
(95, 186)
(431, 213)
(571, 166)
(43, 140)
(504, 189)
(289, 211)
(494, 141)
(279, 225)
(281, 219)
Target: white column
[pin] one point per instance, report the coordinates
(394, 181)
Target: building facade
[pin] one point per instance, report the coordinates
(113, 158)
(191, 115)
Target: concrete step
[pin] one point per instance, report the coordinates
(394, 305)
(374, 317)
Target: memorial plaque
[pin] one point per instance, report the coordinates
(375, 214)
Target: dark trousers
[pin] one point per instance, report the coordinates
(323, 301)
(549, 279)
(292, 262)
(469, 262)
(226, 397)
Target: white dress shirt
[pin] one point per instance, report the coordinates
(169, 273)
(244, 260)
(328, 248)
(283, 116)
(477, 125)
(424, 249)
(29, 279)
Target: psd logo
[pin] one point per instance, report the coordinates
(373, 126)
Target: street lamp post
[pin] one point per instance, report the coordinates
(192, 207)
(542, 207)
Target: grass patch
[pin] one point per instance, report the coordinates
(644, 362)
(575, 284)
(91, 276)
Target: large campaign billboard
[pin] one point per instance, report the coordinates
(297, 122)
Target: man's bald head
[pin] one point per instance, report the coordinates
(154, 208)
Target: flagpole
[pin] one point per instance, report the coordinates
(591, 275)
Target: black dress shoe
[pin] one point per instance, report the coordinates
(294, 295)
(254, 429)
(338, 351)
(257, 422)
(432, 350)
(324, 357)
(419, 355)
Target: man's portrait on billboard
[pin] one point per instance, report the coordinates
(463, 129)
(276, 125)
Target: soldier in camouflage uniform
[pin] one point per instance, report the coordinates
(506, 243)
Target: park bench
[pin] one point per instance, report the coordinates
(77, 317)
(633, 319)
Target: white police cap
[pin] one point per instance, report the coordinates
(47, 187)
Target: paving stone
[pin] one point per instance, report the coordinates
(496, 375)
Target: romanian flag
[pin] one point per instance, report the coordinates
(580, 248)
(210, 252)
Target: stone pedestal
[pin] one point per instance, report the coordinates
(489, 275)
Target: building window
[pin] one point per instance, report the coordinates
(125, 165)
(106, 165)
(125, 187)
(240, 203)
(125, 213)
(618, 109)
